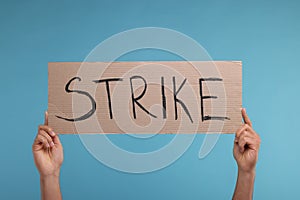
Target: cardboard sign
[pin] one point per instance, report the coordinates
(145, 97)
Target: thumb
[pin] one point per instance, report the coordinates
(46, 118)
(246, 118)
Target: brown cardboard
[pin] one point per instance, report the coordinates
(222, 79)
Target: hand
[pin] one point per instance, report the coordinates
(246, 146)
(47, 151)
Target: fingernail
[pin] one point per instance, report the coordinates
(51, 144)
(47, 145)
(52, 133)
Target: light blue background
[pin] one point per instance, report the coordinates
(265, 35)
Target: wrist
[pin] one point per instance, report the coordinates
(49, 181)
(246, 175)
(52, 176)
(50, 186)
(243, 172)
(244, 185)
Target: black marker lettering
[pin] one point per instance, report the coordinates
(108, 91)
(135, 99)
(176, 100)
(87, 115)
(207, 117)
(163, 98)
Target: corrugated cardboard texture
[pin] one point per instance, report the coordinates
(207, 97)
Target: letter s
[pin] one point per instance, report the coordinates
(87, 115)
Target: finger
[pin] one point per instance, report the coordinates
(45, 141)
(252, 132)
(241, 130)
(242, 143)
(46, 118)
(246, 142)
(41, 140)
(56, 140)
(47, 129)
(247, 133)
(251, 143)
(246, 118)
(48, 137)
(237, 133)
